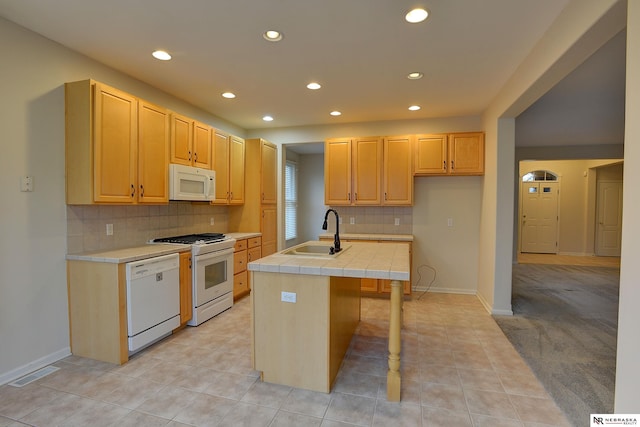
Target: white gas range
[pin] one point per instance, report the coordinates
(212, 273)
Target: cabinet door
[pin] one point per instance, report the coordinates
(221, 167)
(115, 132)
(153, 153)
(254, 254)
(236, 170)
(269, 229)
(269, 177)
(181, 139)
(367, 171)
(430, 156)
(466, 153)
(186, 298)
(201, 145)
(369, 285)
(398, 176)
(337, 172)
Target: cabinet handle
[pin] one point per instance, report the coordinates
(141, 190)
(195, 157)
(452, 165)
(189, 155)
(355, 196)
(385, 195)
(231, 196)
(444, 164)
(349, 196)
(133, 190)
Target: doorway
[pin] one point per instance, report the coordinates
(539, 212)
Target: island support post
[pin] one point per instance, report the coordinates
(395, 323)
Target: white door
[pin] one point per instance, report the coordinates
(539, 221)
(609, 227)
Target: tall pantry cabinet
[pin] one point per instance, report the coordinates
(258, 213)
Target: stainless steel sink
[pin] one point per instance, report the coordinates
(314, 249)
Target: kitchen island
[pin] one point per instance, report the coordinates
(306, 307)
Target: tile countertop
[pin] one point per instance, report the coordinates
(130, 254)
(144, 251)
(369, 236)
(364, 260)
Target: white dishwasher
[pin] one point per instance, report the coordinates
(153, 300)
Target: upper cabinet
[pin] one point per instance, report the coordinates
(259, 212)
(369, 171)
(190, 142)
(353, 171)
(269, 179)
(452, 154)
(398, 168)
(117, 147)
(229, 165)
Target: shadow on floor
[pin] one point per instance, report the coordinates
(565, 328)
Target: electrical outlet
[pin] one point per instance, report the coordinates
(352, 220)
(26, 183)
(109, 229)
(211, 221)
(396, 221)
(288, 297)
(449, 222)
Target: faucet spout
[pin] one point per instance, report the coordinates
(336, 237)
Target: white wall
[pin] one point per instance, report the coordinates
(33, 291)
(627, 366)
(451, 251)
(311, 196)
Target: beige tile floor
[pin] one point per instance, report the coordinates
(458, 370)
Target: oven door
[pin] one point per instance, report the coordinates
(212, 276)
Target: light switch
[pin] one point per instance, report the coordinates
(109, 229)
(449, 222)
(396, 221)
(352, 220)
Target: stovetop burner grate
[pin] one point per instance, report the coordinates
(190, 239)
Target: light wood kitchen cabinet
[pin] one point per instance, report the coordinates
(258, 213)
(268, 181)
(353, 171)
(117, 146)
(452, 154)
(269, 229)
(398, 170)
(153, 153)
(229, 164)
(186, 290)
(240, 274)
(190, 142)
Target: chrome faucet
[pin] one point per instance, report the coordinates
(336, 237)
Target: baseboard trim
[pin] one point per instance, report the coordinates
(34, 365)
(491, 310)
(444, 291)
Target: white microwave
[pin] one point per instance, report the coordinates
(189, 183)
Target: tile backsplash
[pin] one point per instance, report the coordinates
(373, 219)
(137, 224)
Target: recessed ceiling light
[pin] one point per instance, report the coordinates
(267, 118)
(229, 95)
(314, 86)
(416, 15)
(415, 75)
(273, 35)
(161, 55)
(335, 113)
(414, 108)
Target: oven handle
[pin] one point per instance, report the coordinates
(216, 254)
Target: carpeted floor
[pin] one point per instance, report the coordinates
(565, 327)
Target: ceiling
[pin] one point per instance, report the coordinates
(360, 51)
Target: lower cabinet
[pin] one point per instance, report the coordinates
(246, 250)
